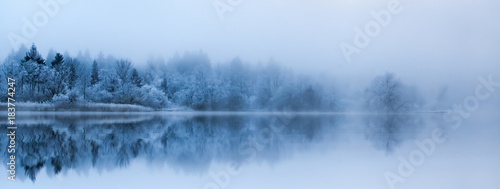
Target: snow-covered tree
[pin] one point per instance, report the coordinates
(387, 93)
(123, 69)
(94, 78)
(135, 78)
(188, 80)
(35, 74)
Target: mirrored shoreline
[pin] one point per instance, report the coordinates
(190, 142)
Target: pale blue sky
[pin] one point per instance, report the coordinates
(458, 38)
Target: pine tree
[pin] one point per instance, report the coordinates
(56, 85)
(57, 62)
(34, 55)
(72, 76)
(164, 85)
(135, 78)
(94, 78)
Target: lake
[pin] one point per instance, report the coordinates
(253, 150)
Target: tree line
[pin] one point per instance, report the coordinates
(189, 80)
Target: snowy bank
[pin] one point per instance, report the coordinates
(89, 107)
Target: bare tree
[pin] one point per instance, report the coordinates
(386, 93)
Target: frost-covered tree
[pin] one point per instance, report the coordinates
(270, 78)
(72, 76)
(83, 72)
(104, 90)
(188, 80)
(135, 78)
(50, 56)
(94, 78)
(387, 93)
(164, 84)
(150, 96)
(34, 75)
(239, 88)
(57, 62)
(33, 55)
(123, 68)
(58, 82)
(84, 58)
(10, 69)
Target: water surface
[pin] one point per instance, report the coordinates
(253, 150)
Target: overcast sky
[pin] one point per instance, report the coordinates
(452, 37)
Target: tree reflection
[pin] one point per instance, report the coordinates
(187, 143)
(387, 131)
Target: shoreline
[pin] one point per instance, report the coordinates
(93, 108)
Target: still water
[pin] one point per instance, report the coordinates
(253, 150)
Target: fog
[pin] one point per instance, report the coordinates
(429, 44)
(261, 94)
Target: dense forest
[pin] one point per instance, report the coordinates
(184, 81)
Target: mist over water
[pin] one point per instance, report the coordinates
(382, 94)
(192, 147)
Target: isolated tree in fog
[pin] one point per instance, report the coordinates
(387, 93)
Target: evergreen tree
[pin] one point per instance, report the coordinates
(33, 55)
(95, 74)
(135, 78)
(57, 83)
(72, 76)
(57, 62)
(164, 85)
